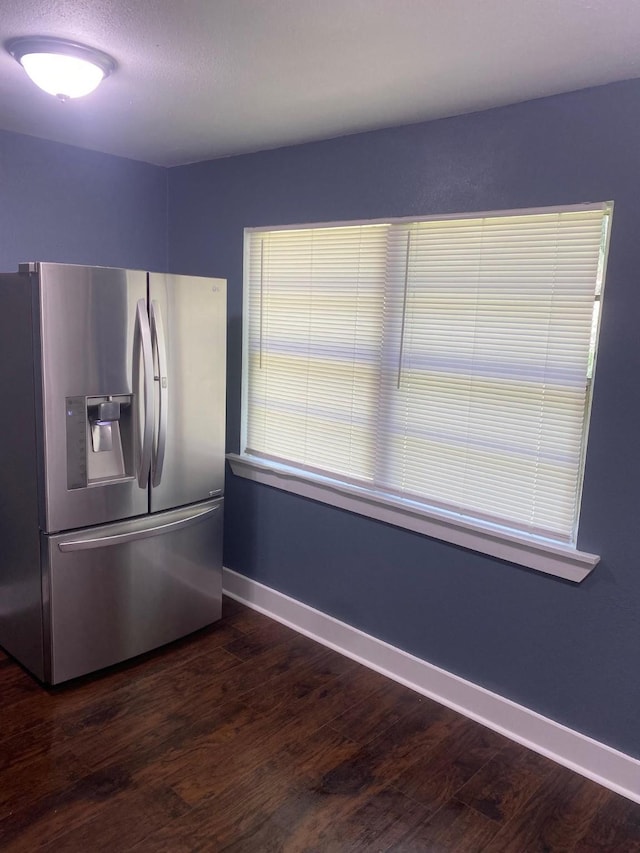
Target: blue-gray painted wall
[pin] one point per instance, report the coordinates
(65, 204)
(570, 652)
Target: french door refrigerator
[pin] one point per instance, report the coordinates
(112, 460)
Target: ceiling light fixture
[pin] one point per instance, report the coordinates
(62, 68)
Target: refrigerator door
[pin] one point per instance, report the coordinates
(188, 323)
(93, 325)
(119, 590)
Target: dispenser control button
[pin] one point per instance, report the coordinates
(76, 411)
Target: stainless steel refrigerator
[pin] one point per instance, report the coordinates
(111, 463)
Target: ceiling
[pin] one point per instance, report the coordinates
(199, 79)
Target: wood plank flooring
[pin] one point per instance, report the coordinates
(249, 737)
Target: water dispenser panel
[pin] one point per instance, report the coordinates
(100, 439)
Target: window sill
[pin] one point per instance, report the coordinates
(562, 561)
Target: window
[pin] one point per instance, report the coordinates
(443, 366)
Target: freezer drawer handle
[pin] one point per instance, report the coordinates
(119, 538)
(147, 363)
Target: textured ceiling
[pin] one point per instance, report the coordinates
(199, 79)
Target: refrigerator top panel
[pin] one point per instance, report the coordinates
(87, 336)
(188, 319)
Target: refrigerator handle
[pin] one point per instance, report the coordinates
(159, 343)
(147, 370)
(131, 536)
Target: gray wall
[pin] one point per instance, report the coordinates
(65, 204)
(569, 652)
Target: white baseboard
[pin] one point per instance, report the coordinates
(596, 761)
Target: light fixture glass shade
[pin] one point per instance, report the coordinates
(63, 76)
(61, 68)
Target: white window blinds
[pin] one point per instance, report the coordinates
(443, 361)
(316, 300)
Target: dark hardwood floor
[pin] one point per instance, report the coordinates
(249, 737)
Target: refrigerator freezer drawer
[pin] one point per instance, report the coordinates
(116, 591)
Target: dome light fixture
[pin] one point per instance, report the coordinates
(62, 68)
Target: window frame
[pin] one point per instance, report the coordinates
(489, 538)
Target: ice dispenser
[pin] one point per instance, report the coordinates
(99, 440)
